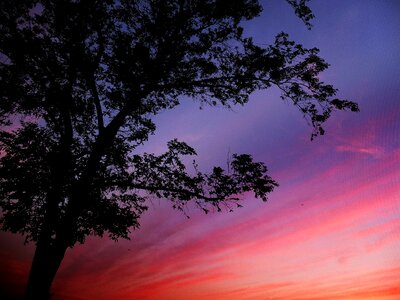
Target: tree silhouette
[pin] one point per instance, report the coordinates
(80, 82)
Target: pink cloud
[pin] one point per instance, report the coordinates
(261, 244)
(373, 151)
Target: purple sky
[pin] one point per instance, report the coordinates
(332, 228)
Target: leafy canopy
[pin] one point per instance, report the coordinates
(81, 80)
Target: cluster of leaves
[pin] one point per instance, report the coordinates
(23, 187)
(166, 177)
(93, 73)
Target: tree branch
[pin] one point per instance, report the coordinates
(154, 189)
(97, 104)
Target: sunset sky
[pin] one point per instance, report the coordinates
(332, 228)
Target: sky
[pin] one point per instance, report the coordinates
(331, 230)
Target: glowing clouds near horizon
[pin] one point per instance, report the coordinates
(337, 242)
(330, 231)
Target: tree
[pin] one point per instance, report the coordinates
(80, 82)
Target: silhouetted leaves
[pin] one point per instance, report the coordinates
(166, 176)
(80, 82)
(90, 75)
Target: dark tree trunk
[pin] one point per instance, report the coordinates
(46, 261)
(50, 252)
